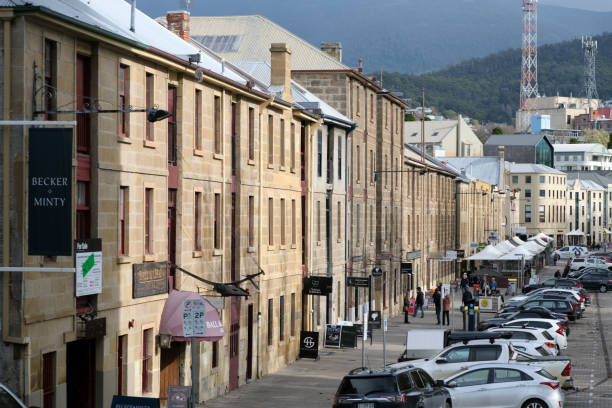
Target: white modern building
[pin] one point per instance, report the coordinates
(586, 156)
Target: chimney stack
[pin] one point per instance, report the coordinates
(333, 49)
(500, 153)
(178, 23)
(280, 72)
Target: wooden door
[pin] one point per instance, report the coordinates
(172, 235)
(169, 369)
(234, 341)
(81, 374)
(249, 370)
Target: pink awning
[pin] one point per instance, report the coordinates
(172, 318)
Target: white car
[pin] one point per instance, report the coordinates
(553, 327)
(504, 386)
(538, 337)
(581, 263)
(570, 251)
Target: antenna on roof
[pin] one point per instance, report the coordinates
(186, 5)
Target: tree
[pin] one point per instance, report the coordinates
(497, 131)
(409, 117)
(596, 136)
(573, 140)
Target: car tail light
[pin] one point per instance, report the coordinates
(567, 370)
(552, 384)
(579, 285)
(549, 344)
(395, 397)
(559, 329)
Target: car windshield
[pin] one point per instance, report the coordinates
(368, 385)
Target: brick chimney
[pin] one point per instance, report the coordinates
(500, 153)
(178, 23)
(333, 49)
(280, 72)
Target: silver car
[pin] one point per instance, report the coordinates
(504, 386)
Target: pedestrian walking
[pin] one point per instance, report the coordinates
(420, 301)
(558, 274)
(467, 297)
(446, 306)
(465, 282)
(493, 285)
(437, 298)
(406, 307)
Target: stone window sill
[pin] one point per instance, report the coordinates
(124, 259)
(283, 168)
(149, 144)
(217, 156)
(271, 166)
(196, 254)
(251, 162)
(251, 250)
(124, 139)
(197, 152)
(149, 258)
(217, 252)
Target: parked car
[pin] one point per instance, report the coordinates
(554, 305)
(552, 283)
(581, 263)
(538, 337)
(569, 251)
(538, 312)
(408, 387)
(575, 301)
(10, 400)
(460, 357)
(553, 327)
(504, 385)
(599, 279)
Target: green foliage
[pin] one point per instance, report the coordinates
(409, 117)
(488, 88)
(596, 136)
(497, 131)
(573, 140)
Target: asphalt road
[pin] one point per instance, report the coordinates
(309, 383)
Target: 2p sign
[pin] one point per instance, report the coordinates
(194, 318)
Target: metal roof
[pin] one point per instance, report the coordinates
(585, 184)
(435, 131)
(242, 38)
(601, 179)
(261, 72)
(531, 168)
(488, 169)
(580, 147)
(514, 140)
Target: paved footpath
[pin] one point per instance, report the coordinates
(309, 384)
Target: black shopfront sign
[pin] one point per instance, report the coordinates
(309, 344)
(358, 282)
(149, 279)
(406, 268)
(121, 401)
(50, 192)
(318, 285)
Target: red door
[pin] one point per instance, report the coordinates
(234, 337)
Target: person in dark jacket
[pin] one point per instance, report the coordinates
(558, 274)
(465, 282)
(467, 297)
(406, 307)
(437, 298)
(420, 301)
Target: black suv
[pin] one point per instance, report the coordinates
(407, 387)
(552, 283)
(600, 279)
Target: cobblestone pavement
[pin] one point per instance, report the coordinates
(309, 384)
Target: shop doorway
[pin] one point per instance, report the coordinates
(234, 341)
(169, 369)
(81, 373)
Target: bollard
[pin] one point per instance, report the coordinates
(464, 313)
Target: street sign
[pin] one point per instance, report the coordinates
(474, 245)
(318, 285)
(194, 318)
(365, 322)
(309, 344)
(358, 282)
(374, 319)
(406, 268)
(377, 272)
(88, 264)
(445, 289)
(385, 323)
(493, 236)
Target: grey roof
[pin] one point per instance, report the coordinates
(435, 130)
(414, 152)
(530, 168)
(603, 178)
(301, 96)
(242, 38)
(585, 184)
(488, 169)
(514, 140)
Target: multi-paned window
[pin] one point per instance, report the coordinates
(282, 142)
(197, 120)
(270, 221)
(270, 139)
(283, 221)
(147, 361)
(50, 80)
(251, 221)
(124, 77)
(150, 102)
(197, 221)
(251, 134)
(123, 220)
(217, 221)
(148, 221)
(217, 123)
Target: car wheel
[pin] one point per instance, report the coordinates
(534, 403)
(603, 288)
(448, 404)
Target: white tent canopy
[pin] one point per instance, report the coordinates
(575, 233)
(518, 254)
(489, 253)
(517, 241)
(532, 247)
(542, 237)
(505, 247)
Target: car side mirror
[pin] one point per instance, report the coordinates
(439, 383)
(451, 384)
(441, 360)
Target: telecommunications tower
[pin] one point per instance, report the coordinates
(590, 56)
(529, 65)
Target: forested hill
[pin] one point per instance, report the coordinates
(487, 88)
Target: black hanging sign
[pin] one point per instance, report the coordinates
(50, 192)
(318, 285)
(309, 344)
(377, 272)
(358, 282)
(406, 268)
(374, 319)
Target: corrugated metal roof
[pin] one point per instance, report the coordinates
(580, 147)
(514, 140)
(601, 179)
(113, 16)
(256, 33)
(487, 169)
(261, 72)
(435, 131)
(531, 168)
(585, 185)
